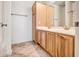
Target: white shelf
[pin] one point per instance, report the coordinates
(19, 15)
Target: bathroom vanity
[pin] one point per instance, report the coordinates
(57, 42)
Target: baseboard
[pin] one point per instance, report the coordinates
(21, 43)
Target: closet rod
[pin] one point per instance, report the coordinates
(18, 14)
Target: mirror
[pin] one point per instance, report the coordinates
(59, 16)
(64, 15)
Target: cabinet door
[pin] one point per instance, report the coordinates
(49, 15)
(69, 46)
(43, 39)
(41, 14)
(65, 47)
(51, 43)
(60, 46)
(54, 45)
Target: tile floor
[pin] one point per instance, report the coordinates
(28, 49)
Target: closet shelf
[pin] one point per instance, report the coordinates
(19, 14)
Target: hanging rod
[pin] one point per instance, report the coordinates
(19, 14)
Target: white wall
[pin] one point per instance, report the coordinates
(77, 31)
(5, 44)
(21, 25)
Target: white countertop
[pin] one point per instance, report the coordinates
(71, 31)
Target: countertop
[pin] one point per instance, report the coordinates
(61, 30)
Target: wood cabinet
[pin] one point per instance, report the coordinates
(56, 44)
(51, 43)
(45, 14)
(42, 15)
(65, 45)
(49, 16)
